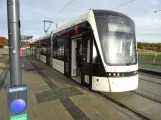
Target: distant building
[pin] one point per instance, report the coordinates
(3, 42)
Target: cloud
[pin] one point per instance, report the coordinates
(148, 27)
(155, 2)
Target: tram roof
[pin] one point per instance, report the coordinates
(81, 19)
(78, 20)
(84, 17)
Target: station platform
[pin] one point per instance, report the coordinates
(53, 96)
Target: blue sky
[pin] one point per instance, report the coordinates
(33, 12)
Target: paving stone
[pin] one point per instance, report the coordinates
(30, 108)
(44, 111)
(37, 89)
(117, 116)
(50, 96)
(33, 97)
(152, 112)
(85, 107)
(105, 109)
(3, 105)
(40, 97)
(97, 116)
(61, 110)
(92, 100)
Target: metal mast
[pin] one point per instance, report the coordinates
(14, 41)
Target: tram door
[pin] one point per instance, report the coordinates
(48, 54)
(79, 57)
(67, 58)
(76, 59)
(87, 58)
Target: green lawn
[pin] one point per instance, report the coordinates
(148, 57)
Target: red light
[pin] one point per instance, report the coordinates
(76, 29)
(114, 74)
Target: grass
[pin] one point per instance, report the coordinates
(148, 57)
(4, 60)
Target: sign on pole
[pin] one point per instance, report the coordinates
(17, 102)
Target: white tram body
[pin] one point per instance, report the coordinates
(98, 50)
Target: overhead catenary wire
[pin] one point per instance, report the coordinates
(73, 0)
(62, 9)
(122, 4)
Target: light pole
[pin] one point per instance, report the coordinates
(13, 10)
(157, 11)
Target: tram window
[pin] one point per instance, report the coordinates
(43, 50)
(96, 59)
(60, 49)
(54, 49)
(88, 52)
(49, 47)
(37, 50)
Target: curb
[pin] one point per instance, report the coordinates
(3, 77)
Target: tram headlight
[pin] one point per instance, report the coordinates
(109, 74)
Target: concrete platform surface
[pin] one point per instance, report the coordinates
(53, 96)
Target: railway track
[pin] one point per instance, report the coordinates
(150, 75)
(137, 93)
(150, 81)
(148, 97)
(153, 72)
(153, 76)
(130, 109)
(143, 117)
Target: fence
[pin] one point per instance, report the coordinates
(28, 52)
(149, 57)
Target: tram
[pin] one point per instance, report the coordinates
(98, 50)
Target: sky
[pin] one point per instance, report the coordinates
(33, 12)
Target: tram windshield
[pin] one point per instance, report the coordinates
(117, 36)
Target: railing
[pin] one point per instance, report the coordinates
(149, 57)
